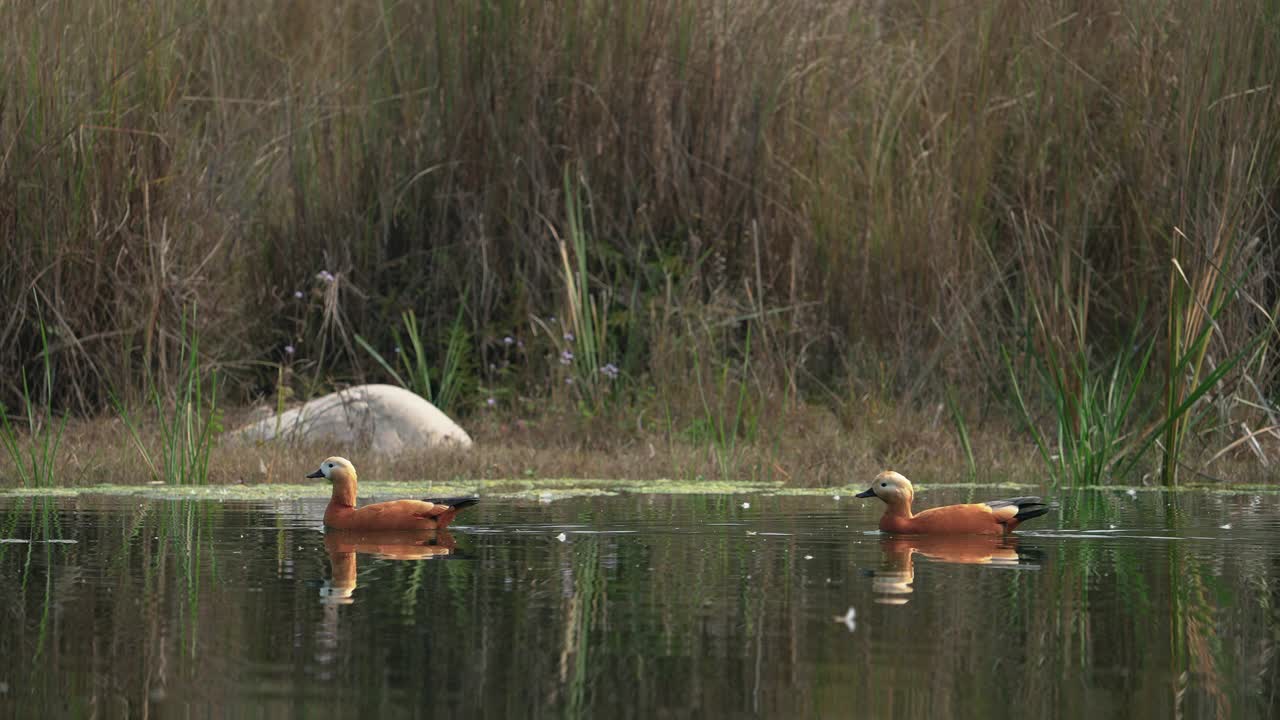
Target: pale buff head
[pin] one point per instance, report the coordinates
(890, 487)
(333, 465)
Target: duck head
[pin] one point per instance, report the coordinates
(335, 464)
(894, 489)
(342, 474)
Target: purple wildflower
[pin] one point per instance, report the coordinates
(568, 337)
(566, 357)
(610, 371)
(325, 276)
(288, 349)
(508, 340)
(491, 402)
(297, 294)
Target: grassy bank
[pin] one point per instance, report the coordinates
(816, 451)
(667, 222)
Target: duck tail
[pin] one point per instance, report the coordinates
(1028, 508)
(455, 503)
(1032, 510)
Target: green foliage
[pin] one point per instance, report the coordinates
(1194, 306)
(415, 362)
(582, 336)
(188, 419)
(1092, 417)
(35, 464)
(1100, 432)
(728, 411)
(962, 433)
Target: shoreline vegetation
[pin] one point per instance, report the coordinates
(762, 242)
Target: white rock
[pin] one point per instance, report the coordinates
(383, 418)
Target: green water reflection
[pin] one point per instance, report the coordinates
(1152, 605)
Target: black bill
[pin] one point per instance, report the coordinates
(869, 492)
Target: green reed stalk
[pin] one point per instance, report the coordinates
(416, 363)
(35, 467)
(1192, 315)
(188, 422)
(725, 428)
(962, 432)
(1092, 413)
(585, 330)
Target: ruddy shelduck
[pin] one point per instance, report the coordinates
(342, 513)
(995, 517)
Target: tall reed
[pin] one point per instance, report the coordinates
(858, 160)
(36, 463)
(414, 359)
(187, 418)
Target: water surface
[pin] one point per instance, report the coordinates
(1145, 605)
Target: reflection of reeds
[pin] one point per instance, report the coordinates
(39, 515)
(663, 623)
(1202, 641)
(582, 608)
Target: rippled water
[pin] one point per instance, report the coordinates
(1152, 605)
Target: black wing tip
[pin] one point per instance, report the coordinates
(1028, 512)
(457, 503)
(1034, 509)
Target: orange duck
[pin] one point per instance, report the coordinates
(995, 517)
(342, 513)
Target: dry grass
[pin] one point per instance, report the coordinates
(818, 450)
(884, 196)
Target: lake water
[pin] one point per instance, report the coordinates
(1152, 605)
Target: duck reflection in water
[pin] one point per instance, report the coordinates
(344, 545)
(893, 582)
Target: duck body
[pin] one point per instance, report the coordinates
(392, 515)
(996, 517)
(342, 513)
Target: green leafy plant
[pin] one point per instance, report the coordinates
(582, 337)
(725, 428)
(35, 466)
(1194, 305)
(415, 363)
(188, 421)
(1091, 412)
(962, 432)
